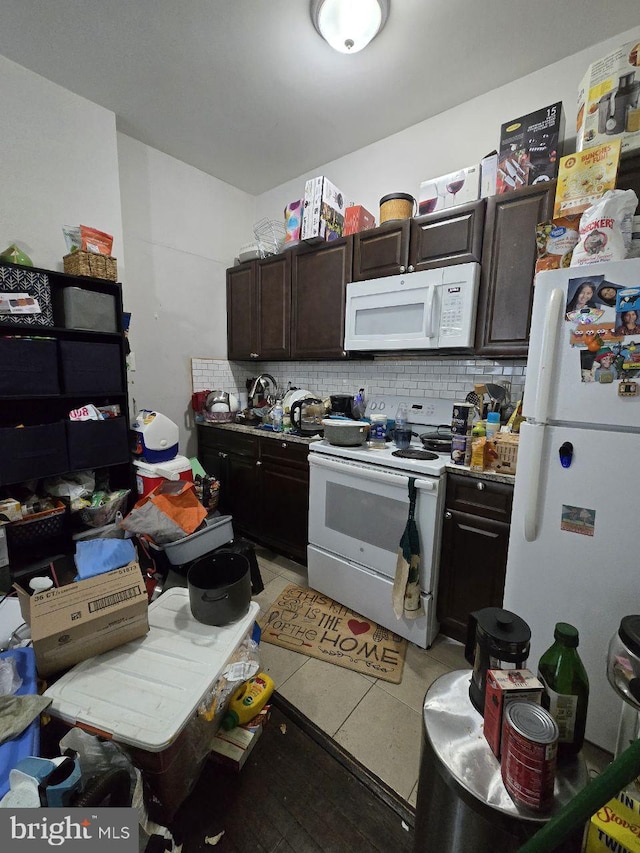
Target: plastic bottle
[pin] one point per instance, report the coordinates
(566, 688)
(248, 700)
(493, 424)
(277, 415)
(402, 433)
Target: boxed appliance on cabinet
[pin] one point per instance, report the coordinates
(74, 622)
(609, 100)
(530, 148)
(357, 218)
(324, 208)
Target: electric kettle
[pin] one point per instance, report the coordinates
(496, 639)
(306, 416)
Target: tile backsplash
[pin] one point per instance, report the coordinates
(446, 376)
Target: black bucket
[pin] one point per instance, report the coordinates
(219, 588)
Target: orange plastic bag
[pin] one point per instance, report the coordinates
(168, 513)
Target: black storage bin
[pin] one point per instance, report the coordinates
(32, 452)
(28, 367)
(94, 444)
(90, 368)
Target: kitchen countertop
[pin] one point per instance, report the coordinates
(463, 471)
(264, 433)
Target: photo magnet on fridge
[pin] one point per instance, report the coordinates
(578, 519)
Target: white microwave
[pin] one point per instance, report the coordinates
(430, 309)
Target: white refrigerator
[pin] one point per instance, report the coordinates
(574, 548)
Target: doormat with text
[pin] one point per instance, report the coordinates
(306, 621)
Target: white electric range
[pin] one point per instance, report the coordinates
(358, 509)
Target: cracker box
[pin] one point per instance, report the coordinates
(324, 209)
(504, 686)
(609, 100)
(449, 190)
(357, 218)
(530, 149)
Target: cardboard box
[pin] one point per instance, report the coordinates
(357, 218)
(489, 175)
(450, 190)
(504, 686)
(615, 827)
(74, 622)
(530, 149)
(324, 208)
(502, 453)
(232, 748)
(585, 176)
(609, 100)
(293, 221)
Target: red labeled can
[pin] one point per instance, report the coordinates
(529, 752)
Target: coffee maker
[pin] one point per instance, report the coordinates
(613, 108)
(496, 639)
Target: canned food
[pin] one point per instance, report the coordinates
(529, 753)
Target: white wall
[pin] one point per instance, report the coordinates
(182, 230)
(58, 166)
(456, 138)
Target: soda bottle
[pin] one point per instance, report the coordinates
(566, 688)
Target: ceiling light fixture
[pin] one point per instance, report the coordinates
(349, 25)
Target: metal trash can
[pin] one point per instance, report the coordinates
(462, 805)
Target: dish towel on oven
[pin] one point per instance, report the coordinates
(406, 586)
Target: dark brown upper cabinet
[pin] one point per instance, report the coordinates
(242, 312)
(381, 251)
(319, 278)
(447, 237)
(508, 267)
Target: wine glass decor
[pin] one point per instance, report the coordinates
(455, 184)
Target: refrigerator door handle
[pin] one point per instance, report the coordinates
(553, 317)
(536, 438)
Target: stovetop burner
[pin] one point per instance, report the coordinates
(411, 453)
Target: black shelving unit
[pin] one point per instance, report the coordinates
(45, 372)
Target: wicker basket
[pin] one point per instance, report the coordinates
(92, 264)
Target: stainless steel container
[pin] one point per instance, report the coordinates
(463, 806)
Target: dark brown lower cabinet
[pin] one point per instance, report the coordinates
(473, 557)
(264, 486)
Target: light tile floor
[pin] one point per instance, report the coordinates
(379, 723)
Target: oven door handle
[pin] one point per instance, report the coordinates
(369, 473)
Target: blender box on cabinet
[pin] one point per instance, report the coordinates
(449, 190)
(324, 209)
(357, 218)
(530, 148)
(79, 620)
(609, 100)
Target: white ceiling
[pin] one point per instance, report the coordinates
(246, 90)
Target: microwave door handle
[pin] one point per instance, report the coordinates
(370, 473)
(428, 325)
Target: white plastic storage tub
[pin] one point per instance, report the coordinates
(146, 694)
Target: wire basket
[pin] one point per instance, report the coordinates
(98, 516)
(37, 528)
(270, 234)
(219, 417)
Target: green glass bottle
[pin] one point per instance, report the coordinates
(566, 688)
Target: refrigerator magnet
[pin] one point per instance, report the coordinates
(628, 388)
(578, 519)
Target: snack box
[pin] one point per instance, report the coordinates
(609, 100)
(615, 826)
(504, 686)
(324, 209)
(357, 218)
(530, 149)
(450, 190)
(79, 620)
(585, 176)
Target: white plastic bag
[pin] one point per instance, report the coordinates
(601, 234)
(10, 681)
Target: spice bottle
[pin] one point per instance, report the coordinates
(566, 688)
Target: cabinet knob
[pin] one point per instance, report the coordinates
(254, 355)
(258, 463)
(344, 353)
(222, 455)
(480, 486)
(403, 269)
(411, 268)
(284, 444)
(448, 516)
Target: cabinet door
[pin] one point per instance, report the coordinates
(447, 237)
(629, 172)
(243, 500)
(242, 312)
(319, 280)
(273, 284)
(285, 510)
(473, 563)
(381, 251)
(508, 264)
